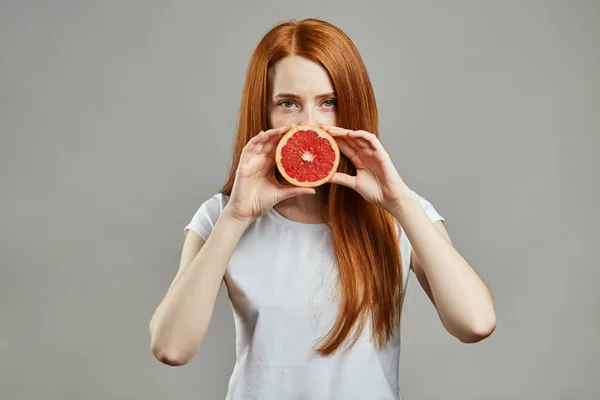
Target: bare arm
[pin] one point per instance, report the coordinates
(461, 298)
(182, 318)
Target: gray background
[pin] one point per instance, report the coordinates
(117, 119)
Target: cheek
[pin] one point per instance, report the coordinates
(329, 118)
(277, 119)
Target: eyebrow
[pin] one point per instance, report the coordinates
(295, 96)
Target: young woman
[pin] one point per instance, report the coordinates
(316, 277)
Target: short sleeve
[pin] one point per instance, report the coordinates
(405, 245)
(432, 213)
(430, 210)
(205, 218)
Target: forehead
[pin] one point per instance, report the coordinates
(294, 74)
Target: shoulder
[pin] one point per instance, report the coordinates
(213, 206)
(431, 211)
(404, 242)
(218, 201)
(207, 214)
(427, 205)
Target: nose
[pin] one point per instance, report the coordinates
(309, 117)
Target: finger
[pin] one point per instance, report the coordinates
(295, 191)
(340, 134)
(357, 139)
(335, 131)
(366, 139)
(261, 142)
(346, 148)
(276, 133)
(344, 180)
(257, 138)
(273, 136)
(254, 145)
(363, 144)
(265, 136)
(353, 153)
(357, 144)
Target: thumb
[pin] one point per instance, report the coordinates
(295, 191)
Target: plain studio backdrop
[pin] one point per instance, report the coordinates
(117, 120)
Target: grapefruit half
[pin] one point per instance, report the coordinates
(307, 156)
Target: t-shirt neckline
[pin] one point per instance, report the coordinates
(301, 225)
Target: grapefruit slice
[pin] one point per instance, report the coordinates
(307, 156)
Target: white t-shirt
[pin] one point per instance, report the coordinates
(282, 281)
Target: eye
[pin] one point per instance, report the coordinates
(286, 104)
(330, 103)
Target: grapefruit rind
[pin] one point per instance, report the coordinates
(323, 134)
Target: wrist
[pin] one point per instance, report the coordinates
(236, 220)
(403, 202)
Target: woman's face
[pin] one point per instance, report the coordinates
(300, 92)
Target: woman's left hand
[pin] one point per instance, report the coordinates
(377, 180)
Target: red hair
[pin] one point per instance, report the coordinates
(365, 240)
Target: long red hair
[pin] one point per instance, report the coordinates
(365, 240)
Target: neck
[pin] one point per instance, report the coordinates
(304, 207)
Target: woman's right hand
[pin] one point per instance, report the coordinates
(256, 190)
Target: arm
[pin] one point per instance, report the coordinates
(462, 300)
(181, 320)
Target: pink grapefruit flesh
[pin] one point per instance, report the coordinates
(307, 156)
